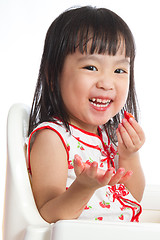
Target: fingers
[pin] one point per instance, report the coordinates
(103, 177)
(78, 165)
(130, 134)
(92, 171)
(106, 178)
(137, 128)
(124, 137)
(120, 177)
(126, 177)
(117, 177)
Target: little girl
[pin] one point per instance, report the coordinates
(84, 88)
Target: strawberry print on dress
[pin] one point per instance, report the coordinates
(104, 204)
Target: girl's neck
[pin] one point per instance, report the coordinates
(85, 127)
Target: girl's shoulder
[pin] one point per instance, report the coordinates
(56, 124)
(56, 127)
(46, 138)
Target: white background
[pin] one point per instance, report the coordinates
(23, 25)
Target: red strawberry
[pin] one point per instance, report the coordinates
(122, 208)
(70, 166)
(102, 165)
(82, 148)
(128, 115)
(99, 218)
(121, 217)
(87, 207)
(68, 147)
(88, 162)
(104, 204)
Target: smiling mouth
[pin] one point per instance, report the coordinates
(102, 103)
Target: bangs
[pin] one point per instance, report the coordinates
(99, 31)
(101, 43)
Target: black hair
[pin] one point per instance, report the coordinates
(72, 30)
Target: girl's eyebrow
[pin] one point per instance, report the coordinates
(88, 57)
(97, 58)
(123, 61)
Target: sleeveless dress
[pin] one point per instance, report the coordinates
(109, 203)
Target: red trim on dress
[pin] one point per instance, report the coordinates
(87, 133)
(29, 143)
(83, 131)
(118, 194)
(135, 217)
(90, 134)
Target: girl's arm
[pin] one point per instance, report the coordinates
(49, 175)
(130, 140)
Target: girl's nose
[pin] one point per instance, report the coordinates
(105, 82)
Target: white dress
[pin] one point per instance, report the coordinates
(109, 203)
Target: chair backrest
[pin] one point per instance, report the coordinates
(20, 211)
(151, 204)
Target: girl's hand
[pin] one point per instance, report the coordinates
(93, 177)
(130, 136)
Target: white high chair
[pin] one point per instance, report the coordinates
(21, 217)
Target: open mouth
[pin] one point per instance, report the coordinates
(97, 102)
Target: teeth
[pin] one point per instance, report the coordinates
(100, 102)
(100, 105)
(104, 101)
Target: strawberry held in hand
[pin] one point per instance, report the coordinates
(130, 137)
(128, 115)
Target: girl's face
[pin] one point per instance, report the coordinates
(94, 87)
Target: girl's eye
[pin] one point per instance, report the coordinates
(91, 68)
(119, 71)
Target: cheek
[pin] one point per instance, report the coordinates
(123, 92)
(71, 92)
